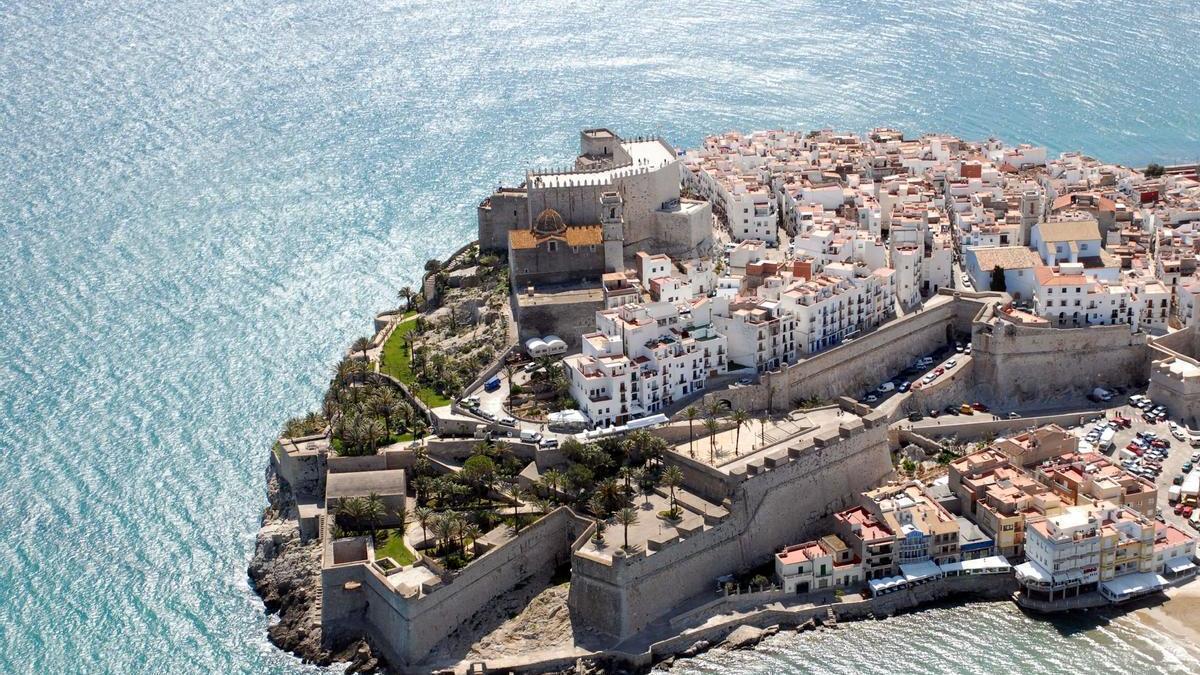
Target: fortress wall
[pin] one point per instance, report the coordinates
(415, 626)
(1020, 363)
(968, 429)
(578, 204)
(303, 471)
(781, 506)
(507, 211)
(701, 479)
(680, 233)
(794, 502)
(353, 464)
(862, 364)
(953, 388)
(643, 194)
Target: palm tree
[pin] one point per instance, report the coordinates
(424, 516)
(711, 425)
(627, 517)
(672, 477)
(740, 417)
(374, 511)
(406, 294)
(648, 483)
(419, 427)
(362, 344)
(596, 505)
(626, 473)
(610, 492)
(552, 478)
(514, 492)
(714, 409)
(691, 413)
(472, 532)
(352, 509)
(385, 404)
(458, 526)
(443, 529)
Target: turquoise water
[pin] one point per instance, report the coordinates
(202, 203)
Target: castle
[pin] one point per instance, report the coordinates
(572, 225)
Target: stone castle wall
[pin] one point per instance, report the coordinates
(1021, 363)
(858, 366)
(778, 506)
(504, 211)
(409, 628)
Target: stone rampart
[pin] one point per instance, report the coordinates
(861, 364)
(407, 628)
(1023, 363)
(783, 502)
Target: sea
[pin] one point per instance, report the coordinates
(203, 202)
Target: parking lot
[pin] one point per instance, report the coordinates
(924, 372)
(1178, 453)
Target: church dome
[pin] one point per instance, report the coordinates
(549, 222)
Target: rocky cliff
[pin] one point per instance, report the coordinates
(286, 574)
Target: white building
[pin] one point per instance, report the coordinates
(643, 358)
(838, 304)
(815, 565)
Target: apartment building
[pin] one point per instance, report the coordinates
(1089, 547)
(827, 562)
(643, 358)
(924, 529)
(870, 540)
(838, 304)
(1083, 477)
(759, 334)
(1000, 498)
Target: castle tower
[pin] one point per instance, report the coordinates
(612, 219)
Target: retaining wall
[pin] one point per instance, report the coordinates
(407, 629)
(780, 505)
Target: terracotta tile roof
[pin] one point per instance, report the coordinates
(1069, 230)
(1006, 257)
(584, 235)
(521, 239)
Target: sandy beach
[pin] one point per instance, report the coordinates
(1179, 616)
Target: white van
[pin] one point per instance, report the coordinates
(531, 436)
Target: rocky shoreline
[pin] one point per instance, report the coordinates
(286, 573)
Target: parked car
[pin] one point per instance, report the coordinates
(951, 410)
(470, 402)
(950, 364)
(1187, 512)
(914, 417)
(958, 348)
(505, 420)
(966, 409)
(886, 387)
(934, 412)
(980, 407)
(870, 398)
(1014, 415)
(904, 386)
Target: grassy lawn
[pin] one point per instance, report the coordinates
(393, 547)
(395, 361)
